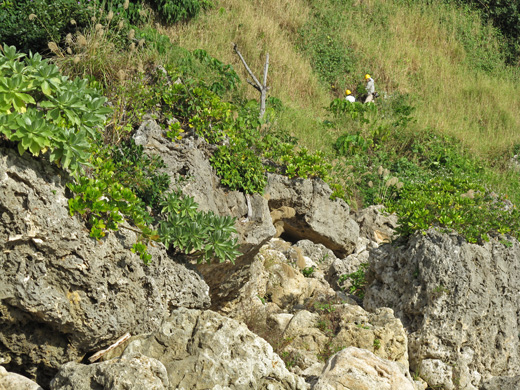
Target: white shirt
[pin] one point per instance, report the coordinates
(350, 98)
(370, 86)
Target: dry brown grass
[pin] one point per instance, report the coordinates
(257, 27)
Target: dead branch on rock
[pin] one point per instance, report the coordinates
(119, 341)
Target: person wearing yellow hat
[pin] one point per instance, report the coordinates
(349, 97)
(370, 87)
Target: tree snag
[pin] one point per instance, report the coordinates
(260, 87)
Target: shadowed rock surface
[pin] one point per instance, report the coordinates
(316, 217)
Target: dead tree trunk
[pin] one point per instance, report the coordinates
(260, 87)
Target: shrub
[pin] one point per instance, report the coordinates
(30, 25)
(173, 11)
(204, 235)
(43, 110)
(239, 168)
(454, 204)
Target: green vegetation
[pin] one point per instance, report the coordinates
(357, 281)
(172, 11)
(435, 147)
(44, 110)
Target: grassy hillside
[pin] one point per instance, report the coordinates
(442, 56)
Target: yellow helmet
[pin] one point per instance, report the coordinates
(367, 76)
(347, 92)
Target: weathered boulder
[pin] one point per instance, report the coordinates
(12, 381)
(359, 369)
(316, 217)
(135, 371)
(204, 350)
(62, 293)
(458, 301)
(379, 332)
(269, 278)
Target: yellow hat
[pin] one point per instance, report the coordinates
(347, 92)
(367, 76)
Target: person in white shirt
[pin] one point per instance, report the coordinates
(349, 96)
(370, 87)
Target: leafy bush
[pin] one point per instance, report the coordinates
(202, 234)
(239, 168)
(43, 110)
(122, 180)
(457, 204)
(173, 11)
(31, 24)
(140, 172)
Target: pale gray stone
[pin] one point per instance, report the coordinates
(359, 369)
(458, 301)
(204, 350)
(12, 381)
(317, 218)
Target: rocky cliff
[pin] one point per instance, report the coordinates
(279, 318)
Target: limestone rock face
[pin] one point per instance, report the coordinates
(12, 381)
(136, 372)
(63, 293)
(379, 332)
(316, 217)
(315, 336)
(459, 303)
(204, 350)
(359, 369)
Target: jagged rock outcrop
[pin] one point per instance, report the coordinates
(62, 293)
(459, 302)
(204, 350)
(316, 217)
(359, 369)
(135, 371)
(314, 336)
(271, 278)
(375, 224)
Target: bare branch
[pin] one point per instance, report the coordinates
(266, 68)
(262, 88)
(253, 85)
(246, 66)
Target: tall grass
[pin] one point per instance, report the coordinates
(442, 55)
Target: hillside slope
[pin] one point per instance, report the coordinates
(444, 57)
